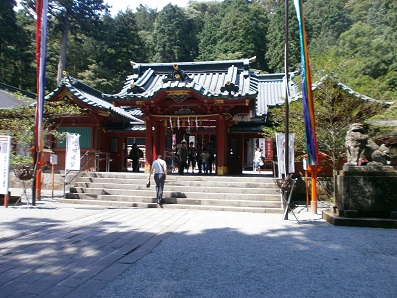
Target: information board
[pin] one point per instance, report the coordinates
(5, 151)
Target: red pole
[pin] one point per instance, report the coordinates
(5, 201)
(314, 170)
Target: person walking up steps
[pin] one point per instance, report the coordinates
(159, 169)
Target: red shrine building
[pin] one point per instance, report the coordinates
(219, 104)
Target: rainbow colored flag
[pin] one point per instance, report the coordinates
(307, 94)
(41, 36)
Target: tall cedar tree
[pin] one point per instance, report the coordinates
(72, 16)
(171, 35)
(8, 39)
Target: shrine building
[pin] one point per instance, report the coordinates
(218, 104)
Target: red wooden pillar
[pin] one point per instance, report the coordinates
(159, 139)
(221, 147)
(148, 144)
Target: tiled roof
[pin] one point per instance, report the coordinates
(209, 80)
(92, 97)
(206, 78)
(212, 79)
(271, 91)
(9, 100)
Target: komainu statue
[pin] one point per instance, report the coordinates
(359, 146)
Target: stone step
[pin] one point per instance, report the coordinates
(185, 181)
(124, 204)
(248, 193)
(186, 177)
(98, 186)
(114, 194)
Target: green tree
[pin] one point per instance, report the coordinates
(171, 35)
(19, 123)
(334, 21)
(335, 109)
(275, 56)
(237, 31)
(72, 16)
(9, 36)
(145, 18)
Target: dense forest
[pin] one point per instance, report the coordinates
(353, 40)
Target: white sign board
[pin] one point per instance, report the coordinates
(5, 152)
(72, 152)
(192, 139)
(280, 143)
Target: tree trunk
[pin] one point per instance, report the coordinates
(64, 45)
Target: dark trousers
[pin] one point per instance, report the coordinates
(182, 166)
(159, 179)
(135, 165)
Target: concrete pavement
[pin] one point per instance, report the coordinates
(66, 250)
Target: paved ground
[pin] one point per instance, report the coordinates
(61, 250)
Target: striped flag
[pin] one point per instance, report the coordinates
(307, 94)
(41, 36)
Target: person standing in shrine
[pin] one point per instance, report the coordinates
(198, 157)
(191, 157)
(257, 160)
(183, 153)
(134, 156)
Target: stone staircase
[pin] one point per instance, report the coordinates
(246, 193)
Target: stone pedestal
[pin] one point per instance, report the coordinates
(366, 191)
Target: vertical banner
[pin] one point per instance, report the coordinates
(280, 144)
(72, 152)
(41, 37)
(5, 152)
(173, 139)
(262, 145)
(269, 148)
(192, 139)
(307, 94)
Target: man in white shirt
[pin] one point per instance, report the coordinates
(159, 169)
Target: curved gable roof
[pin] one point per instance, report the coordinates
(91, 97)
(209, 79)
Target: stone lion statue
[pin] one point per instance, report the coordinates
(360, 146)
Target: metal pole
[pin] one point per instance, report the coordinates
(286, 151)
(286, 147)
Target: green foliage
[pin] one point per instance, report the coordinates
(335, 109)
(19, 123)
(275, 54)
(354, 40)
(171, 35)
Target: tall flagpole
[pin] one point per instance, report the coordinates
(308, 106)
(286, 146)
(41, 36)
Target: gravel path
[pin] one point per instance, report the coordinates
(222, 254)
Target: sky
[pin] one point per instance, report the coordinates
(118, 5)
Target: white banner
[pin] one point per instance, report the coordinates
(262, 145)
(280, 143)
(5, 152)
(72, 152)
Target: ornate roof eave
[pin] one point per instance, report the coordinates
(92, 99)
(225, 95)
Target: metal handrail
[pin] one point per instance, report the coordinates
(96, 157)
(78, 173)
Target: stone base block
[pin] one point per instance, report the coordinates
(371, 192)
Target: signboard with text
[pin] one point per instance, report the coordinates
(5, 152)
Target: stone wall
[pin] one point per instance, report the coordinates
(15, 182)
